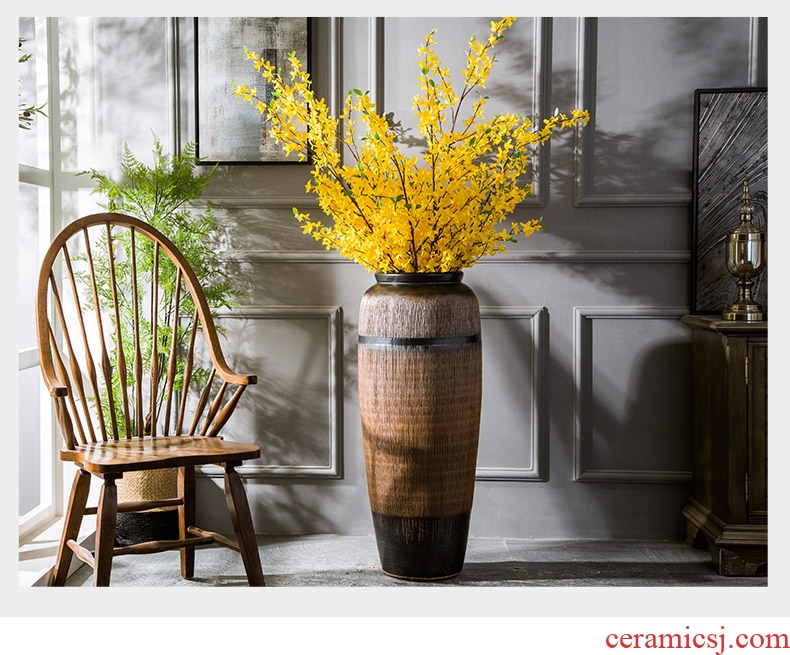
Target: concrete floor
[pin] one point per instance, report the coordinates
(340, 561)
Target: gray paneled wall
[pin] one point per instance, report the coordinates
(586, 408)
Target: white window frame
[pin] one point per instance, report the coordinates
(61, 184)
(51, 493)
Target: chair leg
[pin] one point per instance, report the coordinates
(186, 517)
(242, 523)
(71, 528)
(105, 532)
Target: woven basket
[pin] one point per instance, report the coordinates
(420, 386)
(150, 525)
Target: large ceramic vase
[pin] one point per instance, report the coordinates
(420, 385)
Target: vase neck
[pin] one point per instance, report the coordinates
(403, 279)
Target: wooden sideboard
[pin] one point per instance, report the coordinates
(728, 510)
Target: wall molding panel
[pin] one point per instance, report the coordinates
(587, 90)
(541, 98)
(583, 357)
(591, 257)
(332, 318)
(534, 257)
(535, 435)
(541, 83)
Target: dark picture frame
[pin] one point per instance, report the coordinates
(730, 142)
(229, 130)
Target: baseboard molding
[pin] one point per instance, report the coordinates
(37, 554)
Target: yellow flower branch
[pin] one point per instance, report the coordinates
(394, 213)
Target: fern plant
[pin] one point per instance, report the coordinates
(160, 194)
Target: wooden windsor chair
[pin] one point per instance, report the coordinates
(119, 314)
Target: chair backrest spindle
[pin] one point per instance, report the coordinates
(76, 371)
(147, 305)
(154, 375)
(120, 354)
(137, 362)
(173, 355)
(189, 360)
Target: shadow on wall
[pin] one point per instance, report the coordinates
(289, 415)
(283, 333)
(654, 402)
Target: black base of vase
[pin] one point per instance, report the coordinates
(136, 527)
(419, 548)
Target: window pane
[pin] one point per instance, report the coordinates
(85, 202)
(100, 107)
(33, 93)
(29, 206)
(29, 440)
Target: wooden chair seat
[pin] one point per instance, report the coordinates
(132, 360)
(158, 452)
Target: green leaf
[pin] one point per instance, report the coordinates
(160, 194)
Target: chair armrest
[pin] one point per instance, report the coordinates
(237, 378)
(54, 386)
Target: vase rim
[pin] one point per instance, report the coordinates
(453, 277)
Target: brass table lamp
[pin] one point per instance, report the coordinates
(746, 261)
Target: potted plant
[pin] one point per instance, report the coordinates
(160, 194)
(416, 222)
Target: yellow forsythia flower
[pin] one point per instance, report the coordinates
(393, 213)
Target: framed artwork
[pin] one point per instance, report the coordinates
(230, 130)
(730, 143)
